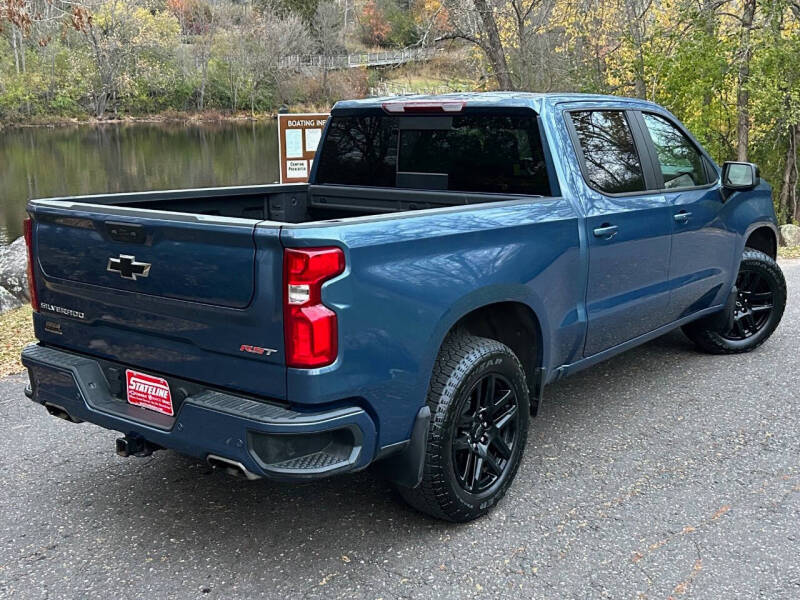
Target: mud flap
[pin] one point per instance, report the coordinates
(405, 467)
(537, 391)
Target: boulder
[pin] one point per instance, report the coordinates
(14, 270)
(790, 235)
(8, 301)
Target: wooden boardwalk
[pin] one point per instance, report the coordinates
(363, 59)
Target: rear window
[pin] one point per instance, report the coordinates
(468, 153)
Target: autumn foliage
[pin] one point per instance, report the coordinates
(374, 26)
(194, 16)
(15, 12)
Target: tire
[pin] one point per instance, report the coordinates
(749, 323)
(463, 400)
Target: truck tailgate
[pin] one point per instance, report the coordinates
(187, 259)
(184, 295)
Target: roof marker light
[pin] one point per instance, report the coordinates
(423, 106)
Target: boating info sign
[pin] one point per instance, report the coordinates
(298, 138)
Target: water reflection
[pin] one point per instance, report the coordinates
(92, 159)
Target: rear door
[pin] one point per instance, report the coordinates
(628, 229)
(701, 244)
(192, 296)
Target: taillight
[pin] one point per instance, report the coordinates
(31, 281)
(310, 327)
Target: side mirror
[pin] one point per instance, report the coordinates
(738, 176)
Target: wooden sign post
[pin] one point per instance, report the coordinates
(298, 138)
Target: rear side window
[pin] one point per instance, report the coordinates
(679, 159)
(610, 159)
(469, 153)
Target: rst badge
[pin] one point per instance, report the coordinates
(127, 267)
(257, 350)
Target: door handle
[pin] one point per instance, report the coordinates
(606, 230)
(682, 217)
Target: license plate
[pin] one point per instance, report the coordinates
(149, 392)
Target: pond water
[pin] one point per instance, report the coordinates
(92, 159)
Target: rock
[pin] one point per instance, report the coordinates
(8, 301)
(790, 235)
(14, 270)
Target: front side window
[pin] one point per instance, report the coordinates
(611, 162)
(679, 159)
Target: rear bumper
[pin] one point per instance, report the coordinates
(269, 441)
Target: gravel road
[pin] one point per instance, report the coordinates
(660, 473)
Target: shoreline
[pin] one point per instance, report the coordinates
(168, 117)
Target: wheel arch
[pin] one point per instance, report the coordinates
(763, 237)
(512, 323)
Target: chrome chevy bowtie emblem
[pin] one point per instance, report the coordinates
(127, 267)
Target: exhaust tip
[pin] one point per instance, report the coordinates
(231, 467)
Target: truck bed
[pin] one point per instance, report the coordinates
(281, 203)
(177, 281)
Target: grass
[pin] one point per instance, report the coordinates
(450, 70)
(789, 252)
(16, 330)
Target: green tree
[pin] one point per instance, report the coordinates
(124, 40)
(774, 89)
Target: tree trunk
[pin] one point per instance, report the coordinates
(786, 183)
(233, 86)
(494, 46)
(742, 95)
(637, 32)
(792, 204)
(24, 69)
(793, 195)
(203, 79)
(14, 46)
(788, 206)
(100, 104)
(709, 16)
(639, 85)
(22, 53)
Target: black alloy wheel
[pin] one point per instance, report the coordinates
(480, 403)
(754, 305)
(486, 434)
(759, 304)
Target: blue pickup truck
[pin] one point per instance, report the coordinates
(450, 257)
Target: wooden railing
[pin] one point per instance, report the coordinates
(363, 59)
(401, 89)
